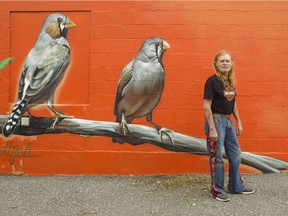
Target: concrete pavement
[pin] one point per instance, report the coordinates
(137, 195)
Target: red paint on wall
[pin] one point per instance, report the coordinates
(107, 36)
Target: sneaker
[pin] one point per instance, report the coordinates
(220, 197)
(247, 191)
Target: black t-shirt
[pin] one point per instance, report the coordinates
(223, 98)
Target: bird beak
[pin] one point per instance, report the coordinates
(69, 24)
(165, 45)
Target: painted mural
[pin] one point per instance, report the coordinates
(138, 93)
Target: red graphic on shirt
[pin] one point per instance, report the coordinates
(229, 93)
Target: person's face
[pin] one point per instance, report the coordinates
(224, 63)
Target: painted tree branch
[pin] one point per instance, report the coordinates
(139, 134)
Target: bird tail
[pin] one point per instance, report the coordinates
(15, 116)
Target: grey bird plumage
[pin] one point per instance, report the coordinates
(43, 70)
(141, 85)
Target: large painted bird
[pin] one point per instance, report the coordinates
(43, 70)
(140, 86)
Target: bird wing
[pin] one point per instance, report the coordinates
(47, 72)
(124, 79)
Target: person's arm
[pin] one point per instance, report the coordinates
(239, 128)
(213, 135)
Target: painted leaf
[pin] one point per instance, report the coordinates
(4, 63)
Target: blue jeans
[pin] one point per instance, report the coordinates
(227, 139)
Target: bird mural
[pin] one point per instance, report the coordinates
(140, 87)
(43, 70)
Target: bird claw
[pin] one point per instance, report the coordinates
(165, 131)
(124, 127)
(59, 117)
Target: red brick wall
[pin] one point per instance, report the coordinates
(108, 35)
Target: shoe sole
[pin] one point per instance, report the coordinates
(219, 199)
(222, 200)
(247, 193)
(244, 193)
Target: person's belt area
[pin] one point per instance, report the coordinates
(217, 115)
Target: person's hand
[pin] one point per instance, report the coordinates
(213, 135)
(239, 129)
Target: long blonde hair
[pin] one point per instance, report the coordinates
(231, 76)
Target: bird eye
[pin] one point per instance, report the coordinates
(156, 44)
(59, 20)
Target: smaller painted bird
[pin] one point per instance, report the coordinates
(43, 70)
(140, 87)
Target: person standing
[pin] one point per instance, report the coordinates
(219, 105)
